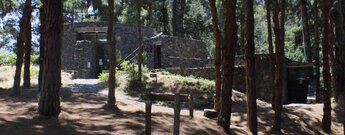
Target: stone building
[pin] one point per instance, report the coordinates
(85, 48)
(299, 83)
(175, 52)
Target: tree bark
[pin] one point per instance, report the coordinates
(317, 50)
(280, 60)
(250, 67)
(140, 56)
(112, 47)
(228, 57)
(326, 120)
(24, 22)
(165, 19)
(306, 35)
(49, 101)
(217, 64)
(270, 48)
(339, 49)
(27, 47)
(178, 11)
(175, 20)
(41, 57)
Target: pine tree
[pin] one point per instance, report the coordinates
(49, 99)
(217, 43)
(228, 59)
(250, 66)
(22, 41)
(326, 120)
(112, 47)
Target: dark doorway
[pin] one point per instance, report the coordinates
(157, 57)
(297, 85)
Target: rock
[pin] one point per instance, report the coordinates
(210, 113)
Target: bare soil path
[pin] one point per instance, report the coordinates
(83, 113)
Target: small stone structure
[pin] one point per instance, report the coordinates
(175, 52)
(296, 86)
(85, 50)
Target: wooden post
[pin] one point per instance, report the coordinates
(177, 114)
(148, 117)
(191, 102)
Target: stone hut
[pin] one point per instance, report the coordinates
(85, 48)
(299, 83)
(174, 52)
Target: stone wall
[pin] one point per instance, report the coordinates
(263, 79)
(86, 64)
(178, 52)
(184, 53)
(126, 43)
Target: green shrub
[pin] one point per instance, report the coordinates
(132, 69)
(103, 77)
(7, 58)
(35, 59)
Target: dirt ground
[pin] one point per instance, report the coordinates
(83, 113)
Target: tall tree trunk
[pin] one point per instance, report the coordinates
(24, 22)
(165, 19)
(270, 47)
(140, 57)
(217, 64)
(332, 57)
(339, 49)
(228, 58)
(41, 57)
(112, 47)
(49, 102)
(317, 50)
(27, 47)
(278, 26)
(175, 20)
(182, 12)
(178, 10)
(240, 46)
(250, 66)
(326, 120)
(306, 35)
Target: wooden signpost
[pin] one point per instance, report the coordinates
(177, 98)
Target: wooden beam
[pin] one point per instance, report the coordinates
(177, 110)
(148, 117)
(166, 97)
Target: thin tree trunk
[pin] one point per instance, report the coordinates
(49, 101)
(175, 20)
(250, 66)
(112, 47)
(140, 57)
(240, 46)
(165, 19)
(306, 35)
(317, 50)
(41, 57)
(27, 47)
(24, 22)
(217, 53)
(332, 57)
(339, 49)
(270, 48)
(182, 12)
(279, 39)
(228, 58)
(326, 120)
